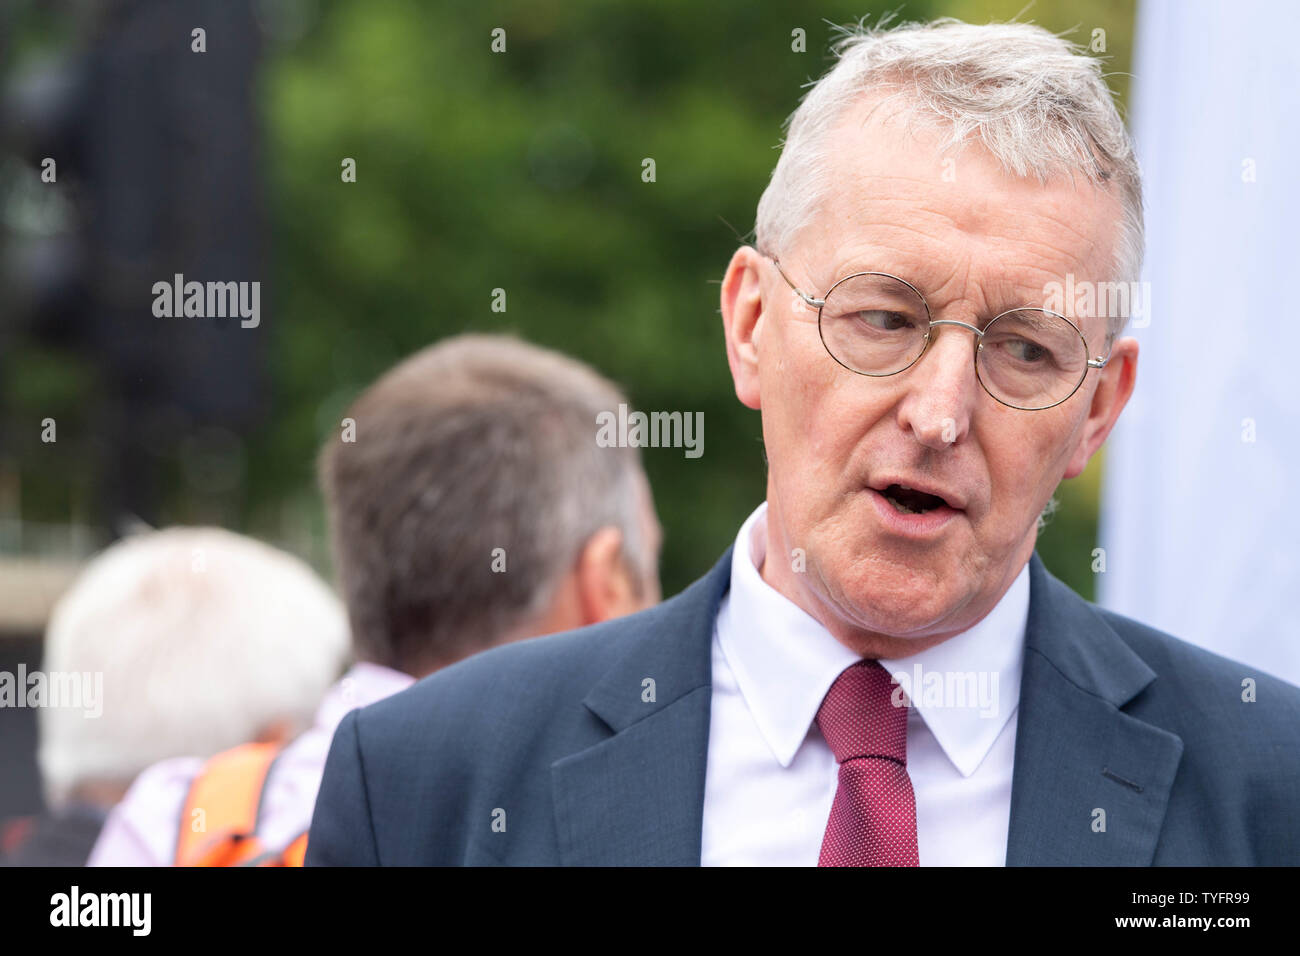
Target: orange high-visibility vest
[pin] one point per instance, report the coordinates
(224, 802)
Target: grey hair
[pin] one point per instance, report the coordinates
(200, 639)
(1036, 101)
(477, 443)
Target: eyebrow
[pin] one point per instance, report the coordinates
(848, 267)
(1003, 303)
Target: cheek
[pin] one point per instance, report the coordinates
(1026, 461)
(812, 415)
(790, 380)
(802, 415)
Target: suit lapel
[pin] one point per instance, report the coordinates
(1077, 752)
(636, 798)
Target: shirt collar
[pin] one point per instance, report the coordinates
(785, 661)
(361, 686)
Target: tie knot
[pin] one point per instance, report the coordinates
(859, 718)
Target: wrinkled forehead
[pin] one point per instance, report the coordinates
(901, 190)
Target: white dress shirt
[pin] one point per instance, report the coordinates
(771, 777)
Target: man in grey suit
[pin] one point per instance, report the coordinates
(880, 671)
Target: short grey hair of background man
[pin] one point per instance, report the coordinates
(475, 507)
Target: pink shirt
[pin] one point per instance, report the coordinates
(143, 828)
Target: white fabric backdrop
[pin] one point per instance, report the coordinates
(1201, 528)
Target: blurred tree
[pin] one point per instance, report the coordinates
(522, 170)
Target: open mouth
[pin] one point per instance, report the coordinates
(909, 501)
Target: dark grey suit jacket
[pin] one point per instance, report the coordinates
(545, 752)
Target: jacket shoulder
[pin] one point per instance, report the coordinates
(556, 669)
(1240, 727)
(482, 736)
(1203, 673)
(516, 676)
(1240, 768)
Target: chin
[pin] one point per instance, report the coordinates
(889, 600)
(903, 618)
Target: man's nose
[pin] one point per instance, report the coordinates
(941, 388)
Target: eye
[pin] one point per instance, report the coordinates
(1026, 351)
(884, 320)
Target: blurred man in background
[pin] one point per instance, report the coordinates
(179, 642)
(469, 507)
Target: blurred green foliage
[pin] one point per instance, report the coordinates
(522, 171)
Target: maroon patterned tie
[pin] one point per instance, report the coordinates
(873, 818)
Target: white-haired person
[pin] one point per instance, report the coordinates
(471, 507)
(880, 671)
(169, 647)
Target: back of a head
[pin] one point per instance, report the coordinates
(473, 481)
(200, 640)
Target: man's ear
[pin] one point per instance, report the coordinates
(1112, 394)
(742, 322)
(604, 583)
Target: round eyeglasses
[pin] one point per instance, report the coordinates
(876, 324)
